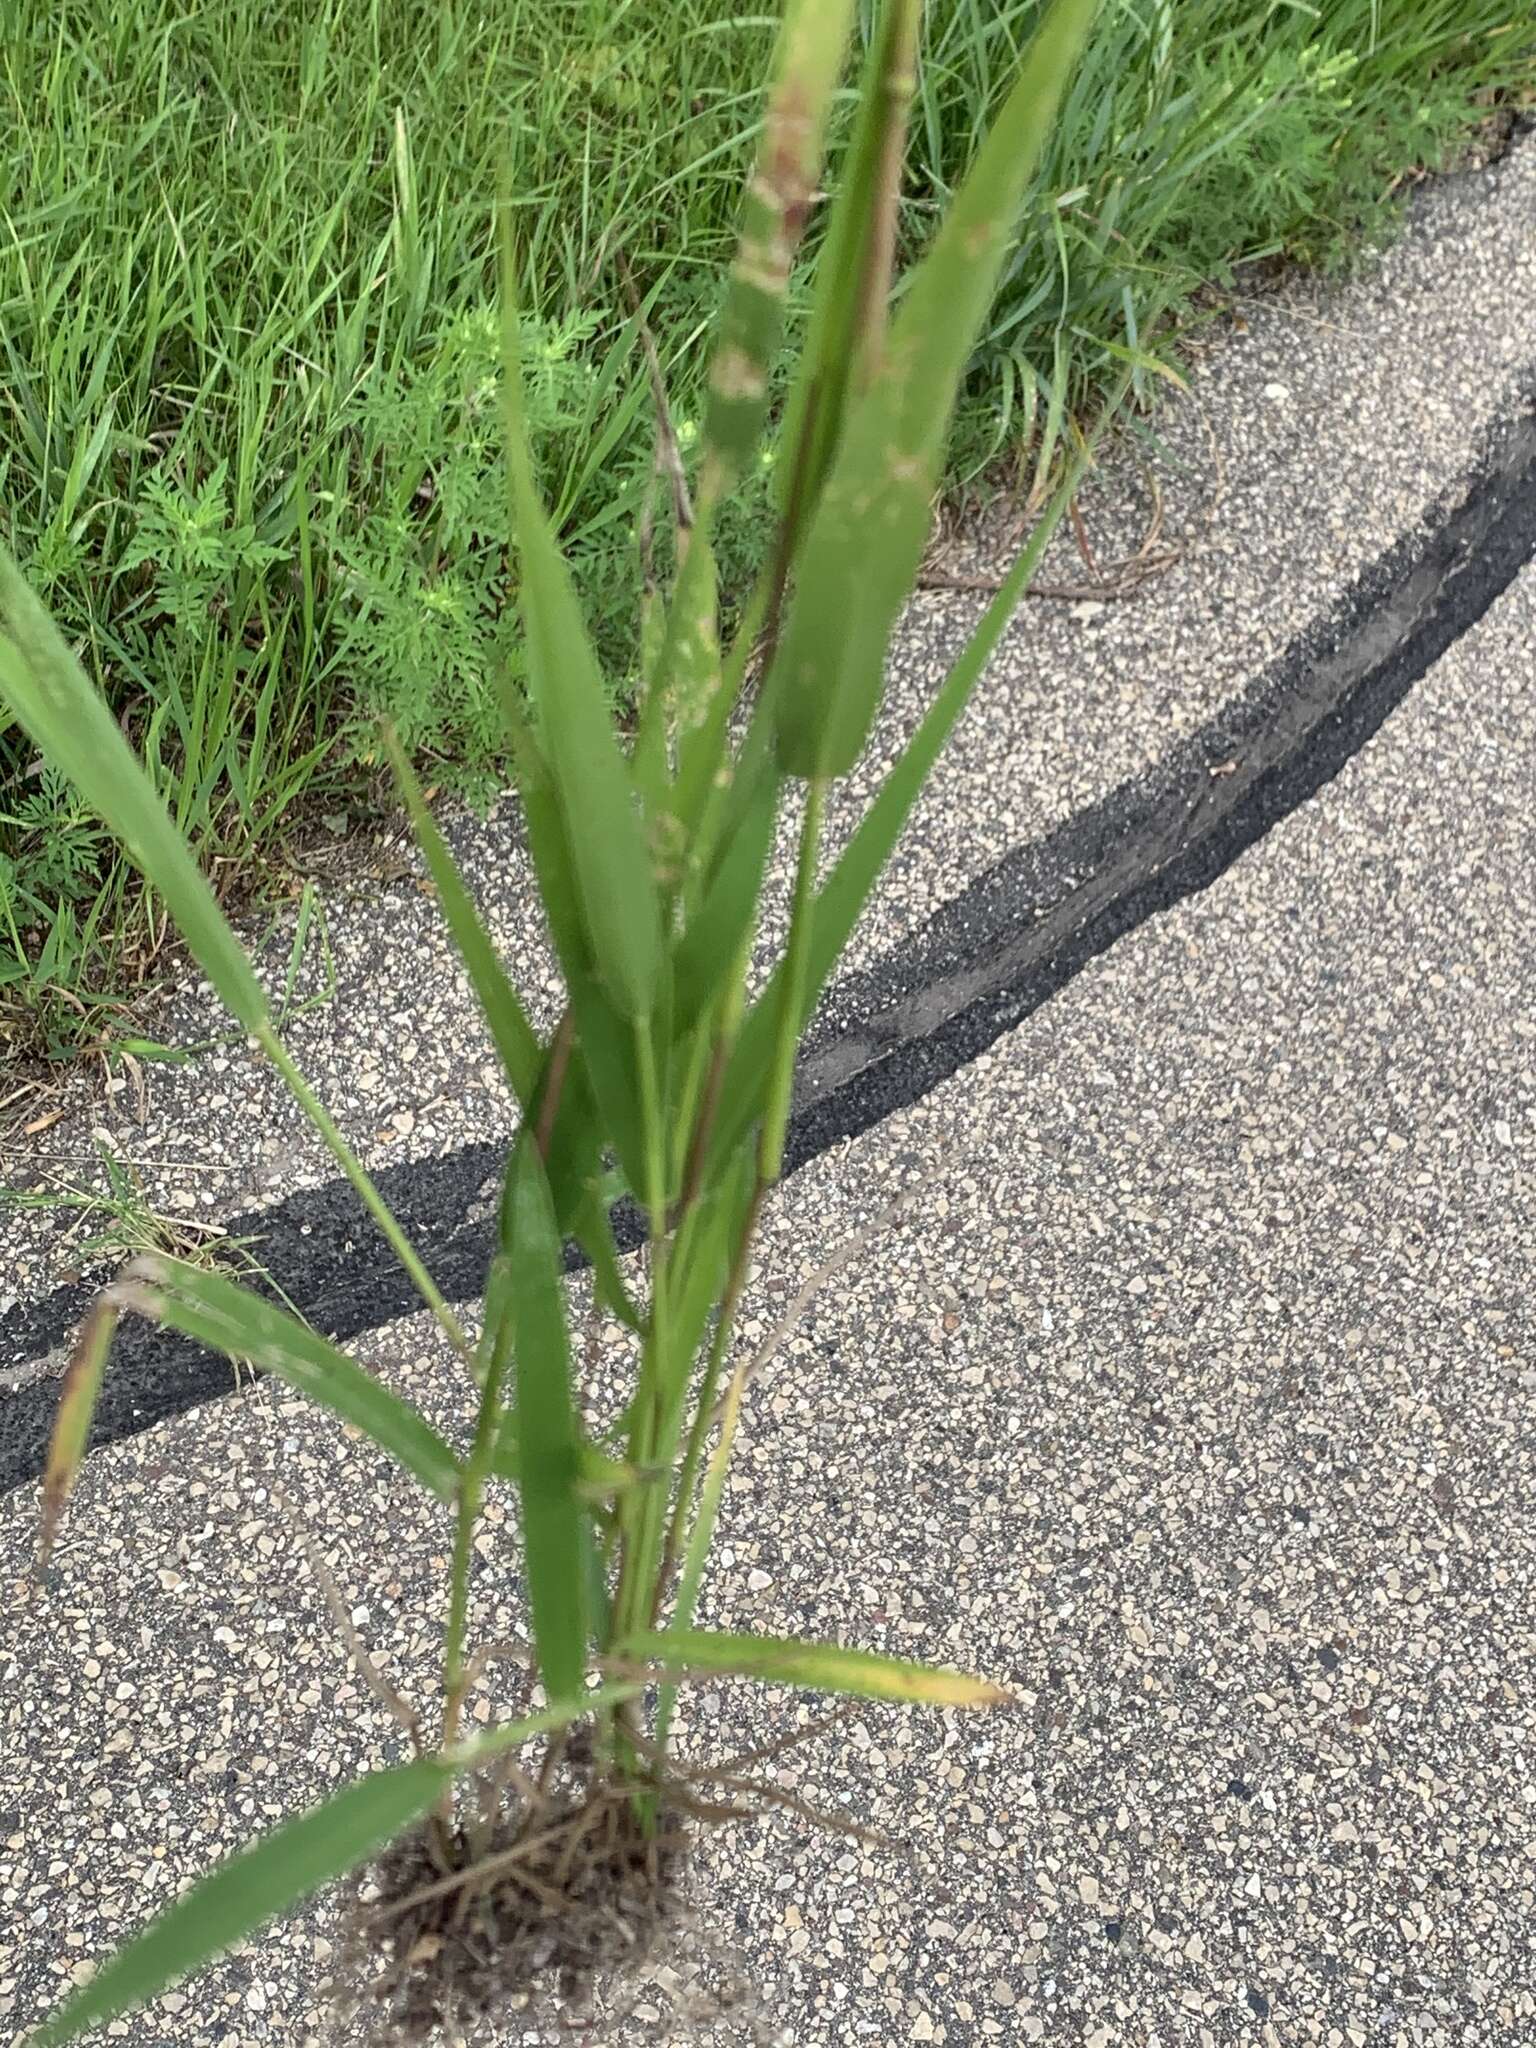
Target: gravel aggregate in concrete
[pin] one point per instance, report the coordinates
(1193, 1397)
(1322, 424)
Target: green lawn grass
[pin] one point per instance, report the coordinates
(247, 451)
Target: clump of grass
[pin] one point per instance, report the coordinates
(116, 1220)
(245, 293)
(666, 1076)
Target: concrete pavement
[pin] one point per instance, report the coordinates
(1194, 1398)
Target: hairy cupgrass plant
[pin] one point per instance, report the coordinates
(666, 1068)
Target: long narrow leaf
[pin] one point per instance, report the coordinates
(847, 274)
(716, 929)
(553, 862)
(700, 1536)
(865, 542)
(555, 1531)
(594, 1232)
(714, 1231)
(516, 1042)
(808, 61)
(285, 1867)
(606, 840)
(848, 887)
(813, 41)
(54, 699)
(575, 1185)
(576, 1145)
(250, 1889)
(826, 1667)
(230, 1318)
(607, 1048)
(702, 1533)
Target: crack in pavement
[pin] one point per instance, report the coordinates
(983, 962)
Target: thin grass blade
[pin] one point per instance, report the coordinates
(808, 62)
(604, 835)
(825, 1667)
(249, 1890)
(559, 897)
(285, 1867)
(716, 929)
(217, 1311)
(852, 274)
(865, 542)
(516, 1042)
(853, 877)
(54, 699)
(594, 1232)
(549, 1466)
(704, 1261)
(606, 1044)
(813, 41)
(700, 1536)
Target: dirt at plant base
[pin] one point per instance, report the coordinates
(547, 1899)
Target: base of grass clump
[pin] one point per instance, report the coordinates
(553, 1902)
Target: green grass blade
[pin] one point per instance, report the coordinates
(363, 1182)
(702, 1533)
(808, 61)
(249, 1890)
(575, 1148)
(555, 1532)
(848, 272)
(228, 1317)
(553, 863)
(286, 1866)
(585, 1107)
(575, 1169)
(594, 1233)
(813, 42)
(848, 887)
(704, 776)
(703, 1260)
(853, 877)
(865, 542)
(685, 686)
(700, 1536)
(54, 699)
(716, 929)
(826, 1667)
(516, 1042)
(603, 829)
(602, 1478)
(606, 1047)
